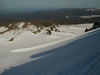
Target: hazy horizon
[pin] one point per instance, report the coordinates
(9, 6)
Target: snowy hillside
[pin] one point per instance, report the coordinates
(25, 38)
(26, 44)
(79, 57)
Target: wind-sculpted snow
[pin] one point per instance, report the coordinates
(79, 57)
(38, 47)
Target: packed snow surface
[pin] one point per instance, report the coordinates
(60, 53)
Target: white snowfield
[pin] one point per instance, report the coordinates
(62, 53)
(90, 16)
(93, 9)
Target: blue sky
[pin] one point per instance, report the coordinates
(21, 5)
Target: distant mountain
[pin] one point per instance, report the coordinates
(58, 14)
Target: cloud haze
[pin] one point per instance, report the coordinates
(18, 5)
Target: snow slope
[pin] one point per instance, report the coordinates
(18, 52)
(79, 57)
(26, 39)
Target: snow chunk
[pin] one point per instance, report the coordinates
(20, 25)
(3, 29)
